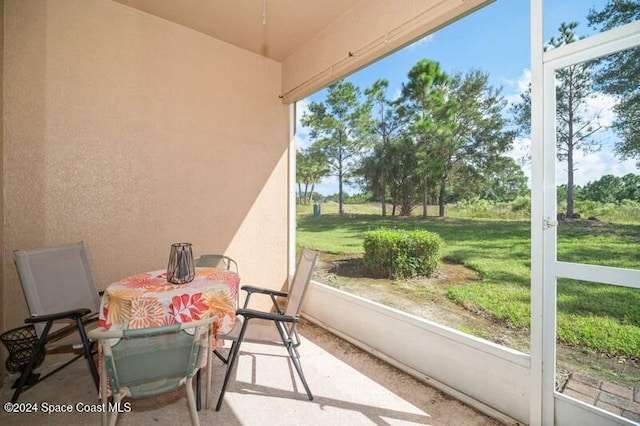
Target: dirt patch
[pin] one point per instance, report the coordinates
(424, 297)
(427, 298)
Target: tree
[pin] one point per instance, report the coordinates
(631, 190)
(613, 189)
(383, 126)
(504, 180)
(399, 170)
(619, 74)
(311, 167)
(430, 111)
(607, 189)
(479, 137)
(403, 177)
(337, 127)
(575, 126)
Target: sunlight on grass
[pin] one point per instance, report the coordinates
(598, 318)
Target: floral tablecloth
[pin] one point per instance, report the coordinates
(148, 300)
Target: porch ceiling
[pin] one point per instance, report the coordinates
(289, 23)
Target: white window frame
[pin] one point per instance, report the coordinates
(544, 264)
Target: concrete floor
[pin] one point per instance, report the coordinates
(350, 387)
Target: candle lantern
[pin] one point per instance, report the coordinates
(181, 267)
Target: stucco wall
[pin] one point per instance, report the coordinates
(2, 244)
(131, 133)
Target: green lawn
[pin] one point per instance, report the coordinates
(592, 317)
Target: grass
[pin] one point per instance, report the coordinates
(592, 317)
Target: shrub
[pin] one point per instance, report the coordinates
(402, 254)
(522, 204)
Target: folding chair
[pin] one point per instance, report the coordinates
(62, 299)
(216, 261)
(146, 362)
(278, 327)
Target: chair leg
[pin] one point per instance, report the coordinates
(88, 353)
(116, 403)
(191, 402)
(233, 357)
(233, 354)
(32, 379)
(207, 393)
(27, 378)
(294, 355)
(220, 356)
(103, 394)
(295, 358)
(198, 396)
(38, 348)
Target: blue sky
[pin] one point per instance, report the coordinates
(494, 39)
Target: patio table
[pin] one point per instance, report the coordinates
(148, 300)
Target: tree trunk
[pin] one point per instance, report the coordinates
(570, 161)
(406, 204)
(405, 208)
(394, 200)
(340, 207)
(424, 199)
(570, 183)
(383, 201)
(441, 197)
(340, 176)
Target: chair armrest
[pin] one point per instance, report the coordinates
(252, 313)
(252, 289)
(259, 290)
(74, 314)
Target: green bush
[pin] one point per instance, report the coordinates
(401, 254)
(522, 204)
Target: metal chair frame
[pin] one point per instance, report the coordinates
(41, 271)
(126, 356)
(214, 260)
(285, 321)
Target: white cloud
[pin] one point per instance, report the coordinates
(592, 166)
(424, 40)
(519, 86)
(521, 153)
(520, 150)
(588, 167)
(397, 94)
(601, 105)
(302, 107)
(524, 80)
(301, 142)
(302, 133)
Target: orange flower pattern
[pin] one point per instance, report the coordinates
(220, 303)
(146, 312)
(141, 280)
(148, 300)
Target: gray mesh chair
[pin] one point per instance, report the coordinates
(278, 327)
(146, 362)
(62, 299)
(216, 261)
